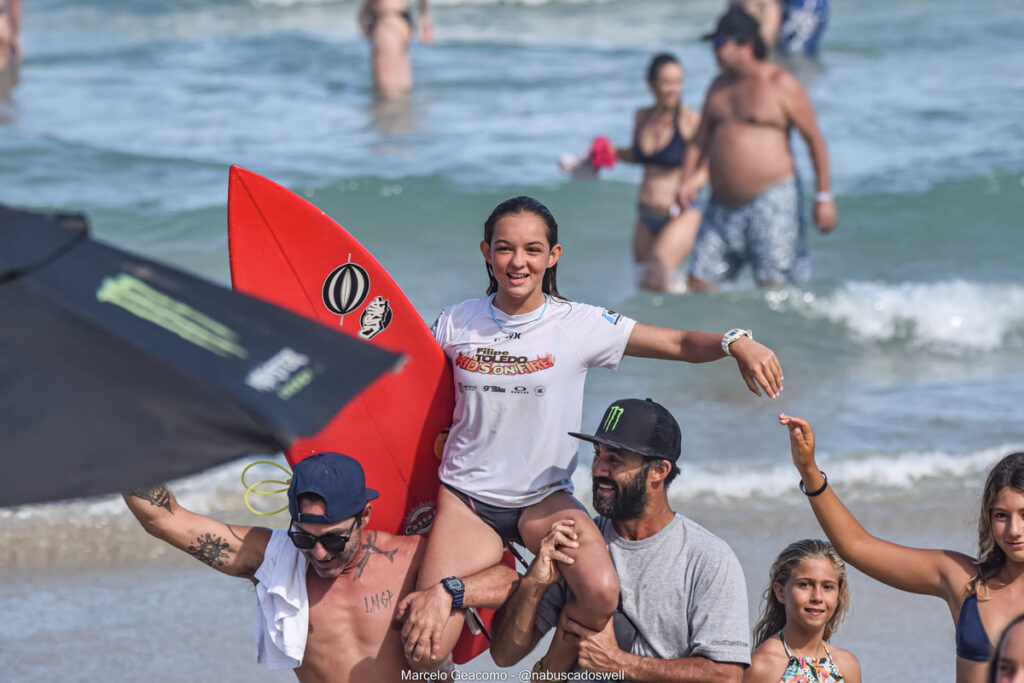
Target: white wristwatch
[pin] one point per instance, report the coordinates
(731, 336)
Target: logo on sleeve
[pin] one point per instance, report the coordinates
(611, 316)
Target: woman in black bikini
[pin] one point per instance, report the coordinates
(664, 233)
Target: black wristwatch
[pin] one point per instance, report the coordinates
(457, 588)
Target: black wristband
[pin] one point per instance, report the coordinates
(820, 491)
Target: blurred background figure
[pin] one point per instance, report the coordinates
(755, 213)
(388, 25)
(803, 22)
(664, 233)
(10, 42)
(788, 27)
(768, 14)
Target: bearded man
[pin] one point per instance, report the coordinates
(682, 611)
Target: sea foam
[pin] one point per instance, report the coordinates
(951, 317)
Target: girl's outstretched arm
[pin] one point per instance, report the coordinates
(757, 363)
(942, 573)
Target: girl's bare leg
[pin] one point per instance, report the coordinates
(460, 544)
(592, 577)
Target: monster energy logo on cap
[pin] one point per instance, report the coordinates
(611, 418)
(638, 425)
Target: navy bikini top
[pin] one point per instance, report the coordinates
(972, 641)
(669, 156)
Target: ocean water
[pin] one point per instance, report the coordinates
(906, 348)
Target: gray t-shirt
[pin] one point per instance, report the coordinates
(682, 595)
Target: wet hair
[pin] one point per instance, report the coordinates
(514, 207)
(993, 664)
(1007, 472)
(659, 60)
(774, 616)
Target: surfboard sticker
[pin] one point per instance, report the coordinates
(346, 288)
(375, 319)
(420, 519)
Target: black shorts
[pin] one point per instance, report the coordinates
(504, 521)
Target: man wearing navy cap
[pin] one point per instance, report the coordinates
(755, 213)
(682, 611)
(328, 588)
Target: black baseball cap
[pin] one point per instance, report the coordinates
(641, 426)
(336, 478)
(735, 23)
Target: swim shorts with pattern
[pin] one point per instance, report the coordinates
(769, 231)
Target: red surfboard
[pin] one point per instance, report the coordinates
(287, 251)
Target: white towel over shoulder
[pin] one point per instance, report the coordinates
(282, 607)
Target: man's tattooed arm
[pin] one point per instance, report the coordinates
(158, 496)
(233, 549)
(209, 549)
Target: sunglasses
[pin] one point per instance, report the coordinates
(332, 543)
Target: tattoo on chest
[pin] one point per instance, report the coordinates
(378, 601)
(209, 549)
(158, 496)
(370, 548)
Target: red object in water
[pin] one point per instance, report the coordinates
(602, 154)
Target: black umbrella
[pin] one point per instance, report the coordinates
(117, 372)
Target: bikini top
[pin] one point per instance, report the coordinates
(808, 670)
(669, 156)
(972, 641)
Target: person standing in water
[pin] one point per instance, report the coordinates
(755, 213)
(520, 356)
(664, 233)
(10, 38)
(388, 25)
(807, 597)
(983, 594)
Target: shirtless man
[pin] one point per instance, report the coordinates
(387, 24)
(755, 209)
(328, 596)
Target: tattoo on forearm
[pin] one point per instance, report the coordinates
(378, 601)
(158, 496)
(370, 548)
(210, 549)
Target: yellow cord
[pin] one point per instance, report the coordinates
(251, 488)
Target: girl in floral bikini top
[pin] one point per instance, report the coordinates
(806, 599)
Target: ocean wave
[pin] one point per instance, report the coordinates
(858, 476)
(949, 317)
(867, 473)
